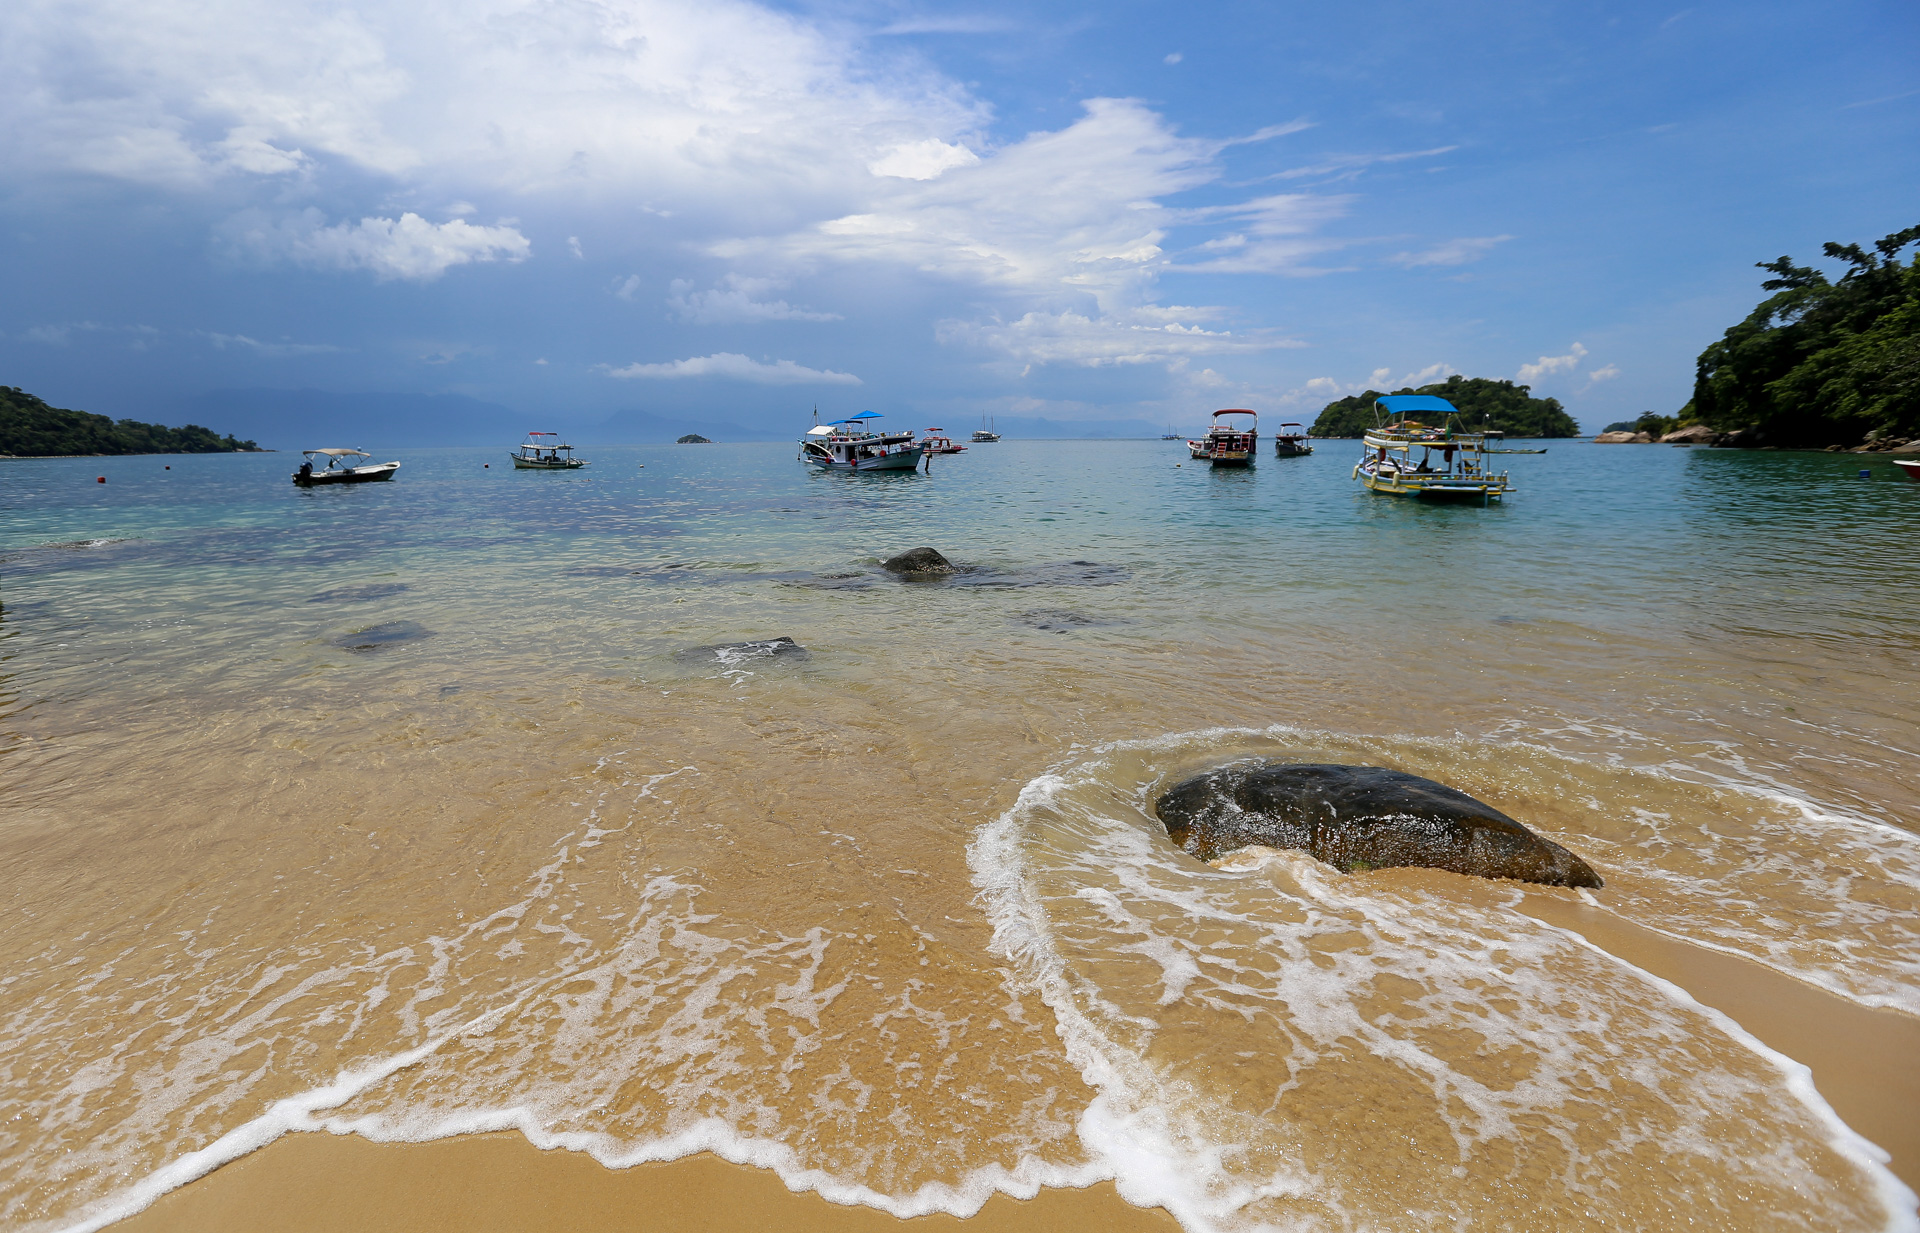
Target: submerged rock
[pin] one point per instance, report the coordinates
(1360, 817)
(385, 634)
(734, 653)
(918, 561)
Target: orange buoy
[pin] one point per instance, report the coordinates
(101, 480)
(169, 468)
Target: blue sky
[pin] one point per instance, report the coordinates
(1074, 211)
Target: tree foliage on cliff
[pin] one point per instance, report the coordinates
(29, 428)
(1483, 404)
(1821, 362)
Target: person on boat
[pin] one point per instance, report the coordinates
(306, 470)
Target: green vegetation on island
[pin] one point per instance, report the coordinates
(29, 428)
(1484, 404)
(1820, 363)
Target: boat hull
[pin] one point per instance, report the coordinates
(1436, 488)
(348, 475)
(904, 460)
(541, 464)
(1910, 467)
(1289, 449)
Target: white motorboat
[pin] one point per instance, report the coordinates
(545, 451)
(336, 466)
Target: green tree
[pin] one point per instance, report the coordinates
(1482, 402)
(30, 428)
(1821, 362)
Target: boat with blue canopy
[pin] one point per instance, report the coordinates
(852, 445)
(1452, 463)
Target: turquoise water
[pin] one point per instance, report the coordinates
(456, 819)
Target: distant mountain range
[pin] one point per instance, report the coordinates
(307, 419)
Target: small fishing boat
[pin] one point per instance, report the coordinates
(336, 466)
(1291, 444)
(545, 451)
(1452, 463)
(1229, 444)
(848, 445)
(1171, 435)
(985, 432)
(1910, 467)
(939, 444)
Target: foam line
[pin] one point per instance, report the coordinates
(1902, 1204)
(292, 1113)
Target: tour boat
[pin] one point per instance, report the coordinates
(1462, 471)
(334, 467)
(939, 444)
(985, 434)
(1291, 444)
(1911, 466)
(1229, 444)
(545, 451)
(847, 445)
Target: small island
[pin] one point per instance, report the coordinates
(30, 428)
(1485, 406)
(693, 438)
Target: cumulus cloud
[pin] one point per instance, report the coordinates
(736, 367)
(408, 247)
(734, 303)
(717, 101)
(1548, 365)
(1608, 373)
(922, 160)
(1453, 252)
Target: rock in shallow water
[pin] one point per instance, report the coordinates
(1360, 817)
(918, 561)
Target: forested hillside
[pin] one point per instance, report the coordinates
(1820, 363)
(1483, 404)
(29, 428)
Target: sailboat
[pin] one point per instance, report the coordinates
(985, 432)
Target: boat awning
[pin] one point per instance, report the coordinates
(1232, 411)
(340, 453)
(820, 430)
(864, 415)
(1407, 404)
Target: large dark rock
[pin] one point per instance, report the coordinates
(1360, 817)
(918, 561)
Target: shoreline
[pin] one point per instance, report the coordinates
(499, 1182)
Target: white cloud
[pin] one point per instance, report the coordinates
(627, 287)
(922, 160)
(723, 103)
(1071, 338)
(735, 304)
(1547, 365)
(573, 246)
(408, 247)
(1172, 57)
(272, 350)
(1453, 252)
(1347, 166)
(1598, 375)
(736, 367)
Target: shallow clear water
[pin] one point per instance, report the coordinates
(440, 785)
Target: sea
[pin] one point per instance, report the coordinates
(489, 800)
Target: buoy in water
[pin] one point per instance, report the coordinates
(486, 466)
(101, 480)
(1866, 475)
(169, 468)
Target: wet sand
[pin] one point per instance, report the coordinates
(320, 1183)
(1865, 1062)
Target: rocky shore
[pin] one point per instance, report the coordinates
(1748, 438)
